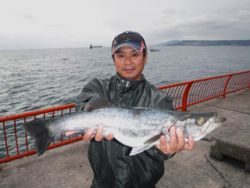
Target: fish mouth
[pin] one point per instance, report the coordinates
(217, 118)
(208, 118)
(213, 123)
(220, 119)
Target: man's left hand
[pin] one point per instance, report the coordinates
(177, 142)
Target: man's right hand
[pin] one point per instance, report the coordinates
(97, 134)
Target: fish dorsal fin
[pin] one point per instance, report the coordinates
(97, 102)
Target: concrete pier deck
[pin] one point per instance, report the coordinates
(68, 166)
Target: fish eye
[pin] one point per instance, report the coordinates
(200, 121)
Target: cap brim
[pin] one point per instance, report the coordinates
(134, 45)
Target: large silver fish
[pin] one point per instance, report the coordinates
(139, 128)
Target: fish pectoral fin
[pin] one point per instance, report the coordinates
(147, 145)
(153, 139)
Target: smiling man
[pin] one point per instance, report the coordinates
(109, 159)
(129, 63)
(129, 54)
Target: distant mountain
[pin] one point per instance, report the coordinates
(206, 43)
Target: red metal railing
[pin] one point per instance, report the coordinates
(16, 142)
(196, 91)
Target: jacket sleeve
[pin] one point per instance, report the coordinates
(89, 91)
(163, 101)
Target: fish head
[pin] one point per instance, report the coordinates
(198, 125)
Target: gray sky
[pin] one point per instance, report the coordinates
(77, 23)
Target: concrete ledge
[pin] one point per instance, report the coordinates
(234, 150)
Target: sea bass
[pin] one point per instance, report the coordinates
(138, 128)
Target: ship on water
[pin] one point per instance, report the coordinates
(154, 50)
(92, 46)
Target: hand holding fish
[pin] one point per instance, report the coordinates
(98, 134)
(92, 133)
(176, 143)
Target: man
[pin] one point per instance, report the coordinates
(109, 159)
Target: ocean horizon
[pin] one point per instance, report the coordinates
(37, 78)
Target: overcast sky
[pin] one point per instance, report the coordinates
(77, 23)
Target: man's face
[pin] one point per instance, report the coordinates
(129, 63)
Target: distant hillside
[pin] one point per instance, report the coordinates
(207, 43)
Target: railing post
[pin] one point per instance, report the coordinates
(249, 85)
(225, 86)
(15, 134)
(5, 140)
(185, 96)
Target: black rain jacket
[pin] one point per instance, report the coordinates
(110, 160)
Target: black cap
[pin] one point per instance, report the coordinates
(129, 38)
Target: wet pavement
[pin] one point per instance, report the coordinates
(68, 166)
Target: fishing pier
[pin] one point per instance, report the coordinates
(222, 159)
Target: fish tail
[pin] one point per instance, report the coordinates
(38, 130)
